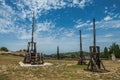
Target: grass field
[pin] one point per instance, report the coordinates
(60, 70)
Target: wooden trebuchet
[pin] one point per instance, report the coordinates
(81, 57)
(31, 56)
(95, 63)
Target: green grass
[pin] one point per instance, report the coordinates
(4, 76)
(60, 70)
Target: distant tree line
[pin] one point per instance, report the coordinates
(68, 55)
(113, 49)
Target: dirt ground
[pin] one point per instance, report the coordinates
(60, 70)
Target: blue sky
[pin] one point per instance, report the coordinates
(57, 22)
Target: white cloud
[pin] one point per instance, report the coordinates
(48, 44)
(11, 18)
(69, 33)
(45, 26)
(111, 12)
(23, 33)
(108, 35)
(104, 40)
(99, 24)
(6, 19)
(86, 35)
(109, 24)
(53, 35)
(107, 18)
(81, 3)
(80, 24)
(112, 24)
(75, 1)
(40, 6)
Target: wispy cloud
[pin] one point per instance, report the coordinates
(80, 24)
(99, 24)
(23, 33)
(10, 20)
(17, 20)
(109, 24)
(69, 33)
(107, 18)
(111, 13)
(41, 6)
(86, 35)
(108, 35)
(45, 26)
(81, 3)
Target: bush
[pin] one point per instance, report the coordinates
(3, 49)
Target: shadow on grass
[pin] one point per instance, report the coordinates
(97, 71)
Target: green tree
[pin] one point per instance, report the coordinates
(73, 55)
(117, 51)
(58, 56)
(3, 49)
(106, 53)
(61, 56)
(114, 48)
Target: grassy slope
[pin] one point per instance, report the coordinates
(61, 70)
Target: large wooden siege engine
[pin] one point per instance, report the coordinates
(81, 58)
(95, 62)
(32, 57)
